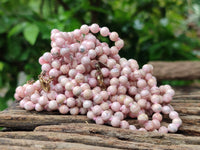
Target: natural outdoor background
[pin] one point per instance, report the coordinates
(152, 30)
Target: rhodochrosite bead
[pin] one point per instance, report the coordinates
(82, 75)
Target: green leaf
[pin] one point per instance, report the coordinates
(16, 29)
(31, 32)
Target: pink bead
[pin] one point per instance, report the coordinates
(94, 28)
(82, 111)
(96, 110)
(132, 90)
(124, 109)
(173, 115)
(106, 50)
(166, 109)
(104, 31)
(149, 126)
(167, 98)
(77, 90)
(64, 51)
(147, 68)
(43, 100)
(63, 109)
(84, 29)
(105, 72)
(103, 58)
(60, 42)
(114, 50)
(106, 115)
(55, 52)
(77, 33)
(53, 105)
(104, 95)
(72, 73)
(56, 64)
(111, 63)
(53, 73)
(156, 123)
(124, 124)
(47, 57)
(163, 129)
(29, 105)
(98, 99)
(142, 118)
(38, 107)
(119, 114)
(123, 80)
(69, 86)
(172, 128)
(92, 82)
(121, 90)
(132, 127)
(35, 97)
(114, 36)
(92, 54)
(71, 102)
(115, 121)
(112, 90)
(177, 121)
(114, 72)
(29, 90)
(46, 67)
(156, 108)
(60, 98)
(64, 69)
(90, 115)
(142, 103)
(22, 102)
(87, 104)
(52, 95)
(142, 129)
(74, 111)
(16, 96)
(115, 106)
(104, 106)
(135, 108)
(155, 99)
(119, 44)
(99, 120)
(114, 81)
(170, 92)
(152, 82)
(87, 94)
(145, 94)
(85, 60)
(141, 83)
(157, 116)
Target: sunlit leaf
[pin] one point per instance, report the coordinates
(31, 32)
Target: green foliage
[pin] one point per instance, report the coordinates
(152, 30)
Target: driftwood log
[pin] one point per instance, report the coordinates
(186, 70)
(49, 130)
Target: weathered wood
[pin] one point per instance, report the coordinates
(107, 141)
(176, 70)
(48, 144)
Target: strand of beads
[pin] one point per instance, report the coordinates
(75, 87)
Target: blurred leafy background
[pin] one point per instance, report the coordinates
(152, 30)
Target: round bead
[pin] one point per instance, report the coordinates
(115, 121)
(104, 31)
(114, 36)
(94, 28)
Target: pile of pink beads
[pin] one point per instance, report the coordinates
(74, 81)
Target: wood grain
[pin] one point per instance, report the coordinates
(176, 70)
